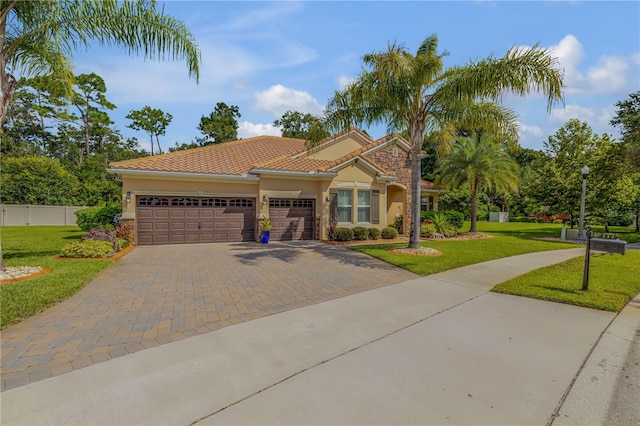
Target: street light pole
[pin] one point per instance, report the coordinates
(585, 173)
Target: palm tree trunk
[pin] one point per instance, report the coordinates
(416, 137)
(474, 195)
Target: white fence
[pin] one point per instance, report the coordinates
(29, 215)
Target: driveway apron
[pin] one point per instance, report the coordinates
(161, 294)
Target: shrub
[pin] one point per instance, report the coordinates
(442, 225)
(454, 218)
(97, 216)
(344, 234)
(87, 248)
(398, 222)
(121, 244)
(427, 230)
(124, 231)
(360, 233)
(374, 233)
(99, 234)
(389, 233)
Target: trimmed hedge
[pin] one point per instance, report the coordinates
(389, 233)
(343, 234)
(87, 248)
(374, 233)
(360, 233)
(93, 217)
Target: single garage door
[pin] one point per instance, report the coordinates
(291, 219)
(184, 220)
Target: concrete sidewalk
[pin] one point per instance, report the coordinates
(437, 349)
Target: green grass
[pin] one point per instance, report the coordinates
(613, 281)
(530, 230)
(37, 246)
(511, 239)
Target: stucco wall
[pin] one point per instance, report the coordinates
(337, 149)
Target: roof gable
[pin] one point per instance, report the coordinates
(338, 145)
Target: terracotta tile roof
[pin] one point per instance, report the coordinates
(425, 184)
(232, 158)
(303, 164)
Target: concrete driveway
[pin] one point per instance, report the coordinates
(160, 294)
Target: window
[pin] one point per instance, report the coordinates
(241, 203)
(345, 204)
(302, 203)
(184, 202)
(364, 206)
(153, 201)
(426, 203)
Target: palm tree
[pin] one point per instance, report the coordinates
(480, 163)
(415, 94)
(38, 37)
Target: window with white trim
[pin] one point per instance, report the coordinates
(345, 205)
(364, 206)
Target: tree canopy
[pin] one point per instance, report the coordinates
(221, 125)
(154, 121)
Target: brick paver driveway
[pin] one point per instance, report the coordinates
(160, 294)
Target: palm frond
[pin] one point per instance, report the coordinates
(521, 71)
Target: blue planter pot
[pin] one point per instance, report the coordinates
(264, 237)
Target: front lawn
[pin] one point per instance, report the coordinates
(531, 230)
(511, 239)
(613, 281)
(37, 246)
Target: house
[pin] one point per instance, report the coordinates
(218, 193)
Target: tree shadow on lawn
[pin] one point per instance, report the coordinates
(20, 254)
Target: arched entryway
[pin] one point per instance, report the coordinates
(396, 203)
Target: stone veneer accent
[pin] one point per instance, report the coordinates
(401, 168)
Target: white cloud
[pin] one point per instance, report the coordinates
(608, 76)
(597, 117)
(524, 129)
(278, 99)
(343, 80)
(247, 129)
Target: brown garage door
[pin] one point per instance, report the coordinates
(184, 220)
(291, 219)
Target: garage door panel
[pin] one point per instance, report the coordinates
(291, 219)
(208, 220)
(161, 226)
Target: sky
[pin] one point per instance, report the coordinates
(271, 57)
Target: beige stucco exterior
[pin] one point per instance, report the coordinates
(335, 149)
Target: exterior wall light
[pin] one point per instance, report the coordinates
(128, 197)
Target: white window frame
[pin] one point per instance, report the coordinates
(364, 206)
(345, 206)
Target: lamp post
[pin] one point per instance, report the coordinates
(585, 173)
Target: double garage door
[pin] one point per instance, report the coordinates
(183, 220)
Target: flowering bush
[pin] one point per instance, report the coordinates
(87, 248)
